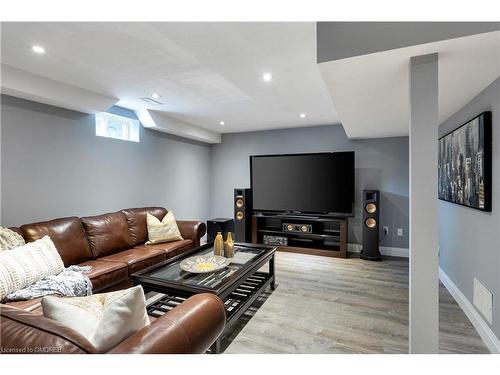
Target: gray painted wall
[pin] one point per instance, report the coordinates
(339, 40)
(53, 165)
(468, 238)
(380, 164)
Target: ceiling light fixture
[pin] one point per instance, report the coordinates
(38, 49)
(302, 115)
(222, 122)
(267, 77)
(155, 96)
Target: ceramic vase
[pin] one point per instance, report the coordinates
(219, 245)
(229, 246)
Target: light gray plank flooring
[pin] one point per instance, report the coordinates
(328, 305)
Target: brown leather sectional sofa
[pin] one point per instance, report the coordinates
(114, 245)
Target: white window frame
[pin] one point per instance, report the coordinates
(104, 122)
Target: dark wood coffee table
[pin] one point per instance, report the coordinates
(238, 285)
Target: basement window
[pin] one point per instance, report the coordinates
(117, 127)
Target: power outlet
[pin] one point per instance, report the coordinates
(400, 232)
(386, 231)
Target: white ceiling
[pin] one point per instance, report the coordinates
(205, 72)
(371, 92)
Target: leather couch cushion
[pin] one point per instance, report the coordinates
(120, 286)
(33, 305)
(136, 219)
(104, 275)
(137, 259)
(66, 233)
(107, 234)
(21, 330)
(170, 248)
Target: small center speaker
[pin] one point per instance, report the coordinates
(243, 215)
(371, 223)
(303, 228)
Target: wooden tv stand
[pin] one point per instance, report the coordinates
(327, 236)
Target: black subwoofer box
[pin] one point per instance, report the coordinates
(222, 225)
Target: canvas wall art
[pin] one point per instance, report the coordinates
(465, 164)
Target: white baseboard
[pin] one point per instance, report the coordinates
(384, 250)
(482, 328)
(395, 251)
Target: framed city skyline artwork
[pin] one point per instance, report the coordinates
(464, 168)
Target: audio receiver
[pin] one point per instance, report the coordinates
(275, 240)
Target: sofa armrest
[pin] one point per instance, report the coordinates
(190, 328)
(192, 230)
(22, 331)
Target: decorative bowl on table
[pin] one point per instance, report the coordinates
(204, 264)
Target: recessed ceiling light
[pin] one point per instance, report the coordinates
(302, 115)
(267, 77)
(155, 96)
(38, 49)
(222, 122)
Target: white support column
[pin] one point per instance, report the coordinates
(424, 292)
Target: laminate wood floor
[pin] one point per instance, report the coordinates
(328, 305)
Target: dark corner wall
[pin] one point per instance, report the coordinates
(380, 164)
(53, 165)
(468, 238)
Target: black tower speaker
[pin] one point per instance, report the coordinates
(219, 225)
(243, 215)
(371, 210)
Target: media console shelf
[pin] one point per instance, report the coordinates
(308, 234)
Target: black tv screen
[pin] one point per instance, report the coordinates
(303, 183)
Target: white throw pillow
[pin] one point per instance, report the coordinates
(162, 231)
(27, 264)
(104, 319)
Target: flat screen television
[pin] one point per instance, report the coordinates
(321, 184)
